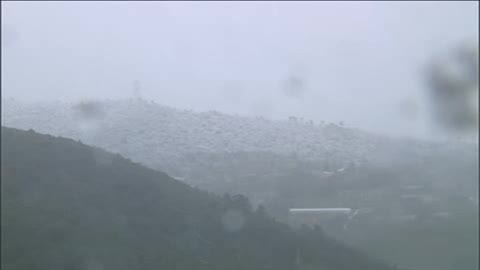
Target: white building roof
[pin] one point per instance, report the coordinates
(320, 210)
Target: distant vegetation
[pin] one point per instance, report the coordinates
(414, 209)
(66, 205)
(414, 195)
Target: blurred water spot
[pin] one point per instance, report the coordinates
(89, 110)
(454, 90)
(88, 116)
(294, 86)
(233, 220)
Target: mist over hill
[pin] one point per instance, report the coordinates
(66, 205)
(160, 136)
(400, 186)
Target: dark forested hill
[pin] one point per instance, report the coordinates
(66, 205)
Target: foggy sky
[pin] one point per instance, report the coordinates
(357, 61)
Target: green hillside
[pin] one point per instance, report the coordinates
(66, 205)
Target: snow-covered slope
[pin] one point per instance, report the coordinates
(161, 137)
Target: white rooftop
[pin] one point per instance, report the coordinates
(320, 209)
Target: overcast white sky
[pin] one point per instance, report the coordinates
(357, 60)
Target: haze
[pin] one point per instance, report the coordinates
(327, 61)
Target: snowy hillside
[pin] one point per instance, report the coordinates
(161, 137)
